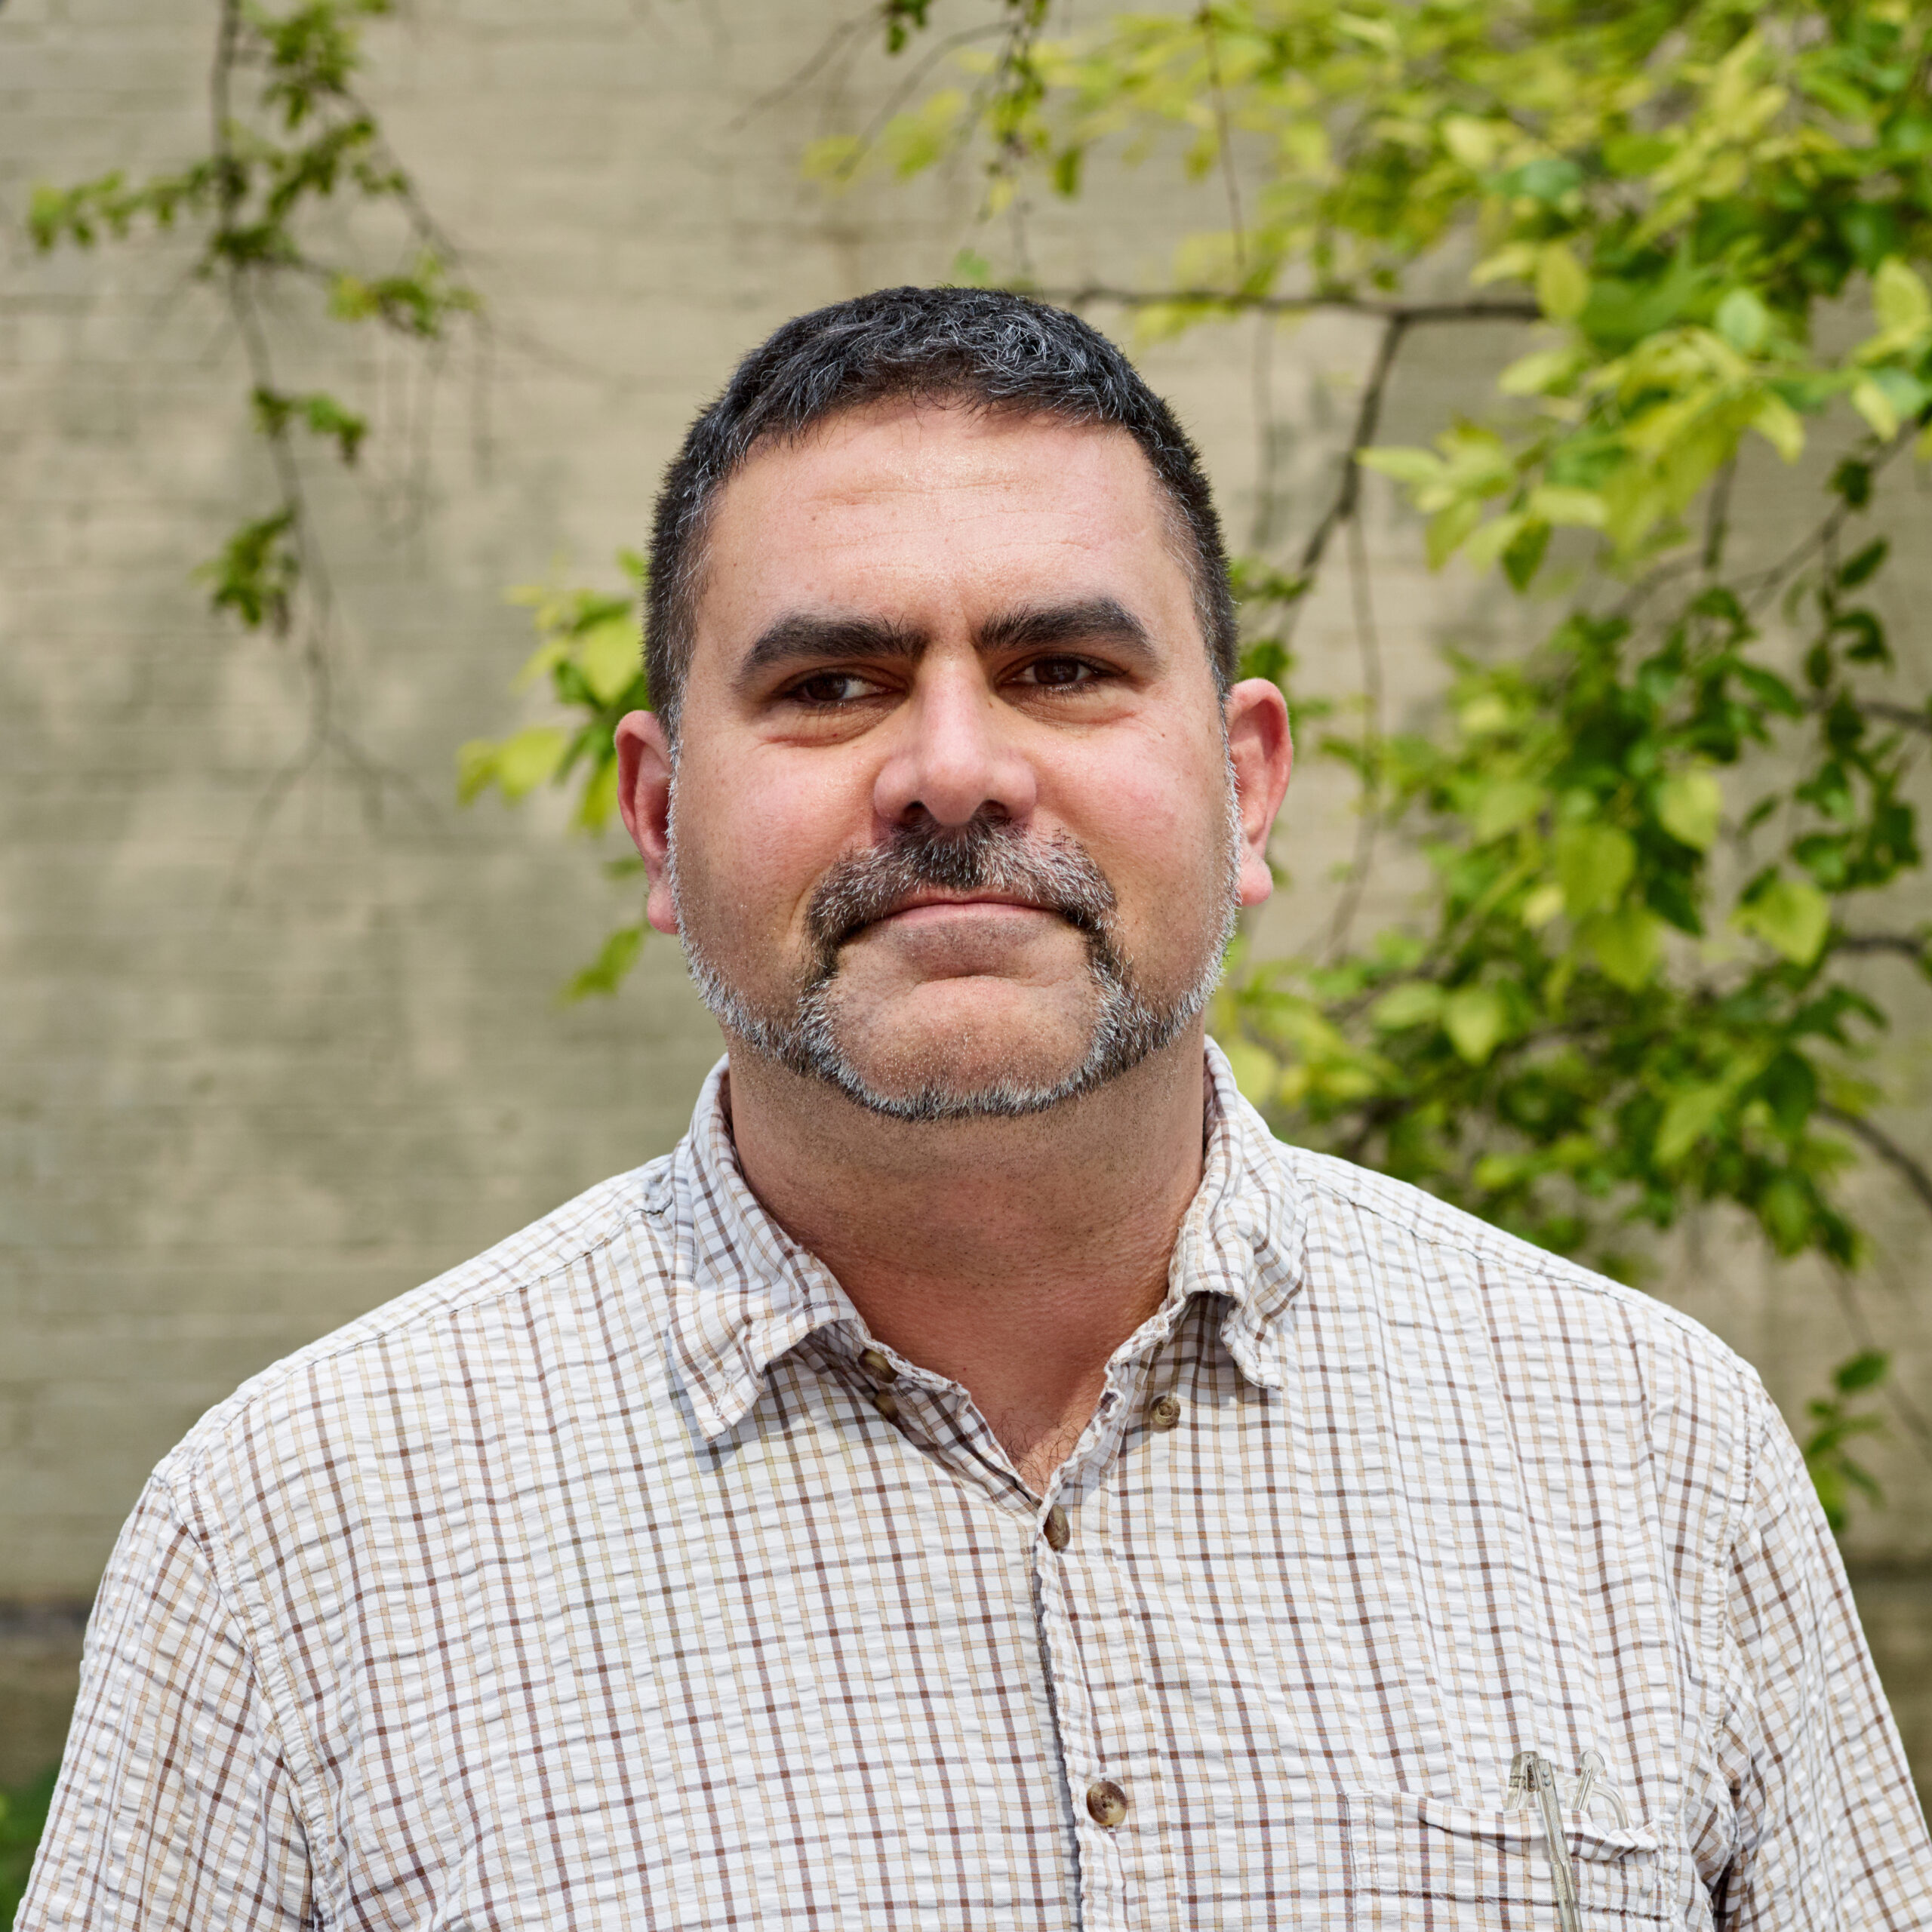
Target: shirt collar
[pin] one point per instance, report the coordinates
(743, 1293)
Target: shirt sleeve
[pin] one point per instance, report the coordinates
(174, 1809)
(1830, 1835)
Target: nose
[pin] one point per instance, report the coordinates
(958, 757)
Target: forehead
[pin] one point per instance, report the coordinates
(907, 504)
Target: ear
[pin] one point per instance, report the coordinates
(1263, 756)
(644, 797)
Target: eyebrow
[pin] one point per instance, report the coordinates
(801, 637)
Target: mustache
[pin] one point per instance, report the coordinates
(985, 854)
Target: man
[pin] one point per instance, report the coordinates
(980, 1479)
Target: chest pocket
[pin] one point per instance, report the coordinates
(1426, 1862)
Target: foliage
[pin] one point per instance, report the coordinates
(23, 1816)
(589, 651)
(1598, 1023)
(1835, 1473)
(1638, 982)
(281, 172)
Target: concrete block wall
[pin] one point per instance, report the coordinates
(257, 1077)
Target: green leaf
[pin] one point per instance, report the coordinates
(608, 970)
(255, 576)
(1257, 1072)
(1870, 400)
(1789, 914)
(527, 758)
(1900, 298)
(1417, 468)
(1548, 178)
(1541, 903)
(1568, 508)
(1778, 423)
(1523, 556)
(1690, 806)
(1492, 540)
(1476, 1020)
(1538, 373)
(833, 159)
(1861, 568)
(608, 655)
(1502, 805)
(1864, 1370)
(475, 768)
(599, 800)
(1690, 1116)
(1593, 863)
(1743, 321)
(1414, 1003)
(1563, 285)
(1448, 527)
(1627, 943)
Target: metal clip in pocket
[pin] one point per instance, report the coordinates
(1533, 1780)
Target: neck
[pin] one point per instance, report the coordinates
(1012, 1256)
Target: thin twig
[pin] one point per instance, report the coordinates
(1918, 1425)
(1410, 315)
(314, 625)
(835, 44)
(1896, 714)
(1223, 146)
(910, 86)
(1369, 824)
(1368, 416)
(1770, 581)
(1717, 517)
(1910, 1170)
(1912, 945)
(1267, 443)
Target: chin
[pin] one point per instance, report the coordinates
(985, 1065)
(992, 1066)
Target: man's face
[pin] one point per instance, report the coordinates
(953, 824)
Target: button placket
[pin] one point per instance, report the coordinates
(1090, 1630)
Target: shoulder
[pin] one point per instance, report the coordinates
(1544, 1328)
(450, 1329)
(1338, 1200)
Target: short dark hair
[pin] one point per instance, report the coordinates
(991, 350)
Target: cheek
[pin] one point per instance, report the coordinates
(753, 840)
(1156, 824)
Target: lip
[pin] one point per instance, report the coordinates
(938, 904)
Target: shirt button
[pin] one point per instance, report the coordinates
(1106, 1803)
(1163, 1412)
(887, 1403)
(1059, 1532)
(876, 1366)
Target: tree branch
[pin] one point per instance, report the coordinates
(1369, 825)
(1368, 416)
(1410, 315)
(1897, 714)
(1224, 147)
(1912, 945)
(1918, 1425)
(1888, 1150)
(1821, 538)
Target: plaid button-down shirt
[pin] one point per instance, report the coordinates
(592, 1585)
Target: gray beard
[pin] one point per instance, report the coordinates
(986, 854)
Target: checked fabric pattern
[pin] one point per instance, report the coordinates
(593, 1585)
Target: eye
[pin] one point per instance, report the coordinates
(1059, 674)
(827, 689)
